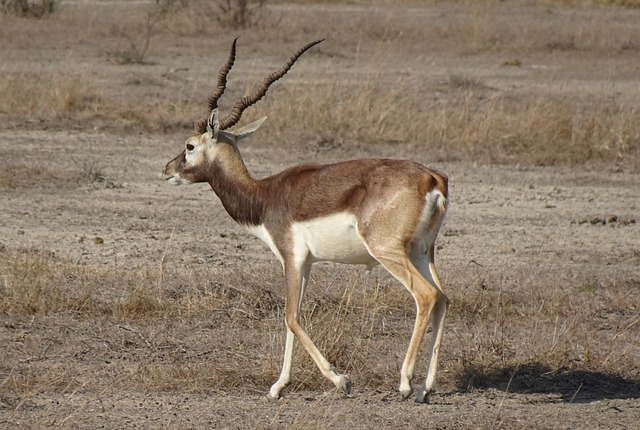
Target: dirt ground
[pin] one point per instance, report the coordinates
(92, 195)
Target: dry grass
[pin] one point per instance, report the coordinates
(564, 330)
(465, 124)
(48, 95)
(62, 96)
(537, 331)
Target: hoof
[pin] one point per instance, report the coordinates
(345, 385)
(405, 388)
(406, 393)
(275, 392)
(422, 396)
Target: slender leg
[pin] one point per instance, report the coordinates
(296, 282)
(437, 322)
(285, 374)
(425, 296)
(425, 264)
(423, 308)
(294, 277)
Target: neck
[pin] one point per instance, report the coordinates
(235, 187)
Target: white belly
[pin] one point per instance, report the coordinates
(331, 238)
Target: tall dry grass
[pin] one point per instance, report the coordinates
(368, 108)
(48, 95)
(61, 96)
(466, 123)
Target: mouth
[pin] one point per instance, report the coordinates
(176, 180)
(172, 179)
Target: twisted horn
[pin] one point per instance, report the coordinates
(242, 104)
(222, 77)
(222, 85)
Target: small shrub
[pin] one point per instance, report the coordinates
(27, 8)
(240, 13)
(139, 45)
(235, 14)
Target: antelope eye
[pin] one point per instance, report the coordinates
(190, 147)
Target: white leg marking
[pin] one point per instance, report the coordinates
(285, 374)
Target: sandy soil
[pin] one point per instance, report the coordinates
(503, 219)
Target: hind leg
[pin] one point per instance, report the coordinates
(425, 263)
(399, 264)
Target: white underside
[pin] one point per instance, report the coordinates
(335, 237)
(331, 238)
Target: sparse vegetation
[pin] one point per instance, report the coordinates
(240, 14)
(228, 14)
(29, 8)
(139, 44)
(565, 130)
(59, 94)
(558, 329)
(469, 122)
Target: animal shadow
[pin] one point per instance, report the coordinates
(573, 385)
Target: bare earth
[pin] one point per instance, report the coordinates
(506, 224)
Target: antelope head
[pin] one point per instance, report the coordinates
(201, 149)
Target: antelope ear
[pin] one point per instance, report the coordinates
(212, 125)
(247, 130)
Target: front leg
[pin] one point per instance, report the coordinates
(285, 374)
(296, 276)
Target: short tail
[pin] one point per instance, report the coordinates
(442, 185)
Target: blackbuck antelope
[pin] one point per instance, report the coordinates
(372, 211)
